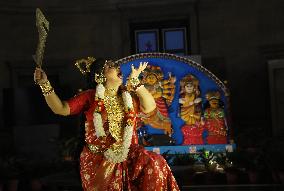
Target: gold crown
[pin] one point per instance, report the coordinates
(190, 79)
(84, 65)
(152, 70)
(213, 95)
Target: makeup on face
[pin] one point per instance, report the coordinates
(113, 70)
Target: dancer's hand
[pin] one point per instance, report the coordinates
(39, 76)
(136, 72)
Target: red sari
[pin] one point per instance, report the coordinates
(142, 170)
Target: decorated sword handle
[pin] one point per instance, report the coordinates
(43, 27)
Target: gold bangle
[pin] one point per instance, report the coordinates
(48, 93)
(134, 82)
(46, 88)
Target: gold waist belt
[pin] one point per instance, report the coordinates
(95, 148)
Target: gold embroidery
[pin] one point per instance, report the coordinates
(116, 185)
(117, 148)
(87, 177)
(109, 167)
(94, 148)
(86, 126)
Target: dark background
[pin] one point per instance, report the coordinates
(241, 41)
(235, 38)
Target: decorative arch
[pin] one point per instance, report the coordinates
(179, 67)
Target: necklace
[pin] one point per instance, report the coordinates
(120, 127)
(110, 91)
(114, 107)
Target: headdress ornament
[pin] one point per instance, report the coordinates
(84, 65)
(152, 70)
(190, 79)
(213, 95)
(100, 77)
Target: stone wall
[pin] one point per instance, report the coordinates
(246, 34)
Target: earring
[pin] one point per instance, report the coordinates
(100, 78)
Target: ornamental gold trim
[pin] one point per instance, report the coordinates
(185, 60)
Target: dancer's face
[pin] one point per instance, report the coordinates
(113, 73)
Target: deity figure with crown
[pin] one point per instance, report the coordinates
(190, 110)
(163, 93)
(214, 119)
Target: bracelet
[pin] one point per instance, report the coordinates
(134, 82)
(46, 88)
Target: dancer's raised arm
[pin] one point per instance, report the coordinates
(53, 101)
(147, 102)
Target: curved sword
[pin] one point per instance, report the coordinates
(43, 27)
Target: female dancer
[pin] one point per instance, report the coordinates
(112, 158)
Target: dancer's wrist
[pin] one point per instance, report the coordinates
(134, 81)
(46, 88)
